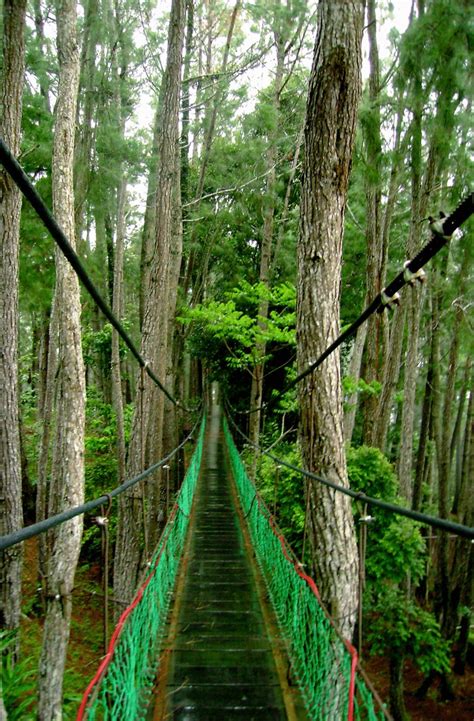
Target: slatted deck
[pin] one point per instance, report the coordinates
(222, 658)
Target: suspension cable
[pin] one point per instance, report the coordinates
(35, 529)
(442, 231)
(457, 528)
(23, 182)
(412, 270)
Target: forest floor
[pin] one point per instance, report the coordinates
(86, 650)
(429, 708)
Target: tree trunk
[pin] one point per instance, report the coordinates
(11, 516)
(149, 415)
(423, 442)
(39, 27)
(446, 580)
(334, 93)
(412, 299)
(354, 372)
(86, 137)
(256, 391)
(148, 231)
(185, 101)
(67, 473)
(375, 258)
(457, 448)
(390, 380)
(397, 701)
(210, 122)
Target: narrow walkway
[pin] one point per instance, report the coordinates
(218, 662)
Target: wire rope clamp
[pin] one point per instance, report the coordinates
(388, 301)
(437, 226)
(366, 519)
(410, 277)
(101, 521)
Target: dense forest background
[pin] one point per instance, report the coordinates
(170, 143)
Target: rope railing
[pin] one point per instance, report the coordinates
(434, 521)
(322, 663)
(122, 685)
(35, 529)
(411, 272)
(18, 175)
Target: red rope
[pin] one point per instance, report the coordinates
(108, 656)
(354, 661)
(311, 583)
(118, 630)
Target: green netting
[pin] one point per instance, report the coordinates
(122, 691)
(320, 660)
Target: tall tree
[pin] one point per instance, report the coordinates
(375, 254)
(11, 514)
(334, 92)
(146, 441)
(286, 22)
(66, 487)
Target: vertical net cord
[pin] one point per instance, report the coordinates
(142, 460)
(308, 497)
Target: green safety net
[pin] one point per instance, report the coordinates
(321, 663)
(123, 684)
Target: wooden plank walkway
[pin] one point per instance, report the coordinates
(223, 658)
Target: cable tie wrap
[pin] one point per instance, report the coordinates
(410, 277)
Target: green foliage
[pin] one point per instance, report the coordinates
(399, 626)
(394, 551)
(370, 472)
(18, 680)
(226, 333)
(100, 443)
(289, 488)
(350, 386)
(395, 546)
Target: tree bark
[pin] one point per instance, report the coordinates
(148, 415)
(67, 472)
(375, 257)
(334, 93)
(397, 701)
(448, 608)
(256, 390)
(11, 515)
(210, 122)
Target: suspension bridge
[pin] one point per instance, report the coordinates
(226, 624)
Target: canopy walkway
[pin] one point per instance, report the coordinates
(212, 634)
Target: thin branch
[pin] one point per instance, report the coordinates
(228, 191)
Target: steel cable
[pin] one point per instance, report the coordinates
(446, 525)
(21, 179)
(411, 270)
(42, 526)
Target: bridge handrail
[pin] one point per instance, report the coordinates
(322, 663)
(124, 679)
